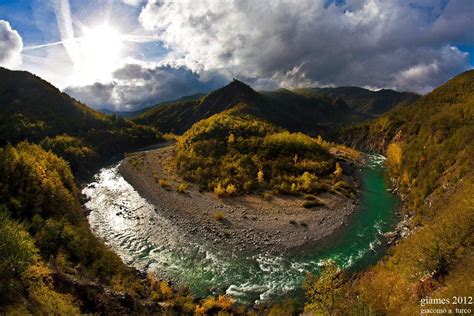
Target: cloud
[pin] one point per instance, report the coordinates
(406, 45)
(138, 85)
(11, 45)
(133, 3)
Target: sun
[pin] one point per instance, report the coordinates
(100, 50)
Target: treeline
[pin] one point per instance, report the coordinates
(45, 241)
(233, 153)
(84, 149)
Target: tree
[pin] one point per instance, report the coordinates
(338, 171)
(17, 251)
(325, 291)
(231, 138)
(260, 177)
(394, 155)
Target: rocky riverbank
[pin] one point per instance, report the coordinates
(240, 224)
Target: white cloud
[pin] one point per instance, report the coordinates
(133, 3)
(11, 45)
(399, 44)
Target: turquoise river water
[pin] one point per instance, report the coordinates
(146, 240)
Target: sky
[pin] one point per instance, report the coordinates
(127, 54)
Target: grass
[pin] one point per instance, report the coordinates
(136, 160)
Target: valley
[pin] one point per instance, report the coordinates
(246, 209)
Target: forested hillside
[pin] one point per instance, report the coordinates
(32, 109)
(51, 263)
(371, 103)
(429, 145)
(233, 153)
(295, 112)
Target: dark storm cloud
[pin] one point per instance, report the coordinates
(135, 86)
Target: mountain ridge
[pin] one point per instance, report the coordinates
(31, 109)
(304, 110)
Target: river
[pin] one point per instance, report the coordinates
(144, 239)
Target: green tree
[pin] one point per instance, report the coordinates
(18, 252)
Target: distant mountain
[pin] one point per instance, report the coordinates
(372, 103)
(132, 114)
(293, 111)
(123, 114)
(32, 109)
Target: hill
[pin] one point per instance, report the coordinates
(132, 114)
(310, 110)
(240, 153)
(429, 146)
(295, 112)
(434, 136)
(371, 103)
(32, 109)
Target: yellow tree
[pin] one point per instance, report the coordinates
(260, 177)
(325, 291)
(338, 171)
(394, 155)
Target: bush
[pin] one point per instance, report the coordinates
(267, 196)
(312, 203)
(164, 184)
(182, 187)
(231, 190)
(219, 190)
(219, 216)
(213, 304)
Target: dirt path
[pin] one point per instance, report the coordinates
(249, 224)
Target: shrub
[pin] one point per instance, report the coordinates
(312, 203)
(394, 154)
(260, 177)
(339, 185)
(182, 187)
(338, 170)
(213, 304)
(308, 181)
(231, 190)
(219, 190)
(219, 216)
(165, 289)
(267, 196)
(164, 183)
